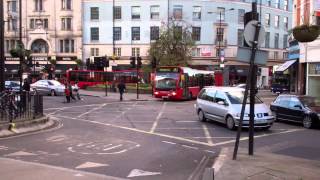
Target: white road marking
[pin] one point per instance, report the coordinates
(169, 142)
(90, 165)
(94, 109)
(155, 124)
(54, 112)
(207, 134)
(186, 121)
(4, 148)
(138, 172)
(113, 147)
(210, 151)
(219, 161)
(78, 175)
(56, 138)
(201, 163)
(208, 137)
(175, 137)
(20, 153)
(177, 128)
(190, 147)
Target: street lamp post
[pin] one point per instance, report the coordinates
(21, 43)
(2, 87)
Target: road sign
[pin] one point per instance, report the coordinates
(250, 30)
(244, 54)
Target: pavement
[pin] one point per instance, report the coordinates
(264, 166)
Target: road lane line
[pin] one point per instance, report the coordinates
(137, 130)
(155, 124)
(94, 109)
(168, 142)
(207, 134)
(190, 147)
(113, 147)
(198, 168)
(187, 121)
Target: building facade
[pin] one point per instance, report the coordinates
(51, 29)
(308, 12)
(217, 26)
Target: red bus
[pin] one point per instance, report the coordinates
(92, 77)
(177, 83)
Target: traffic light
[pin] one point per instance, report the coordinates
(154, 62)
(133, 61)
(139, 62)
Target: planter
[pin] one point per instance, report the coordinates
(306, 33)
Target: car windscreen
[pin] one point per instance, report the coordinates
(166, 81)
(236, 97)
(309, 101)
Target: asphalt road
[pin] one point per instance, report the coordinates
(144, 139)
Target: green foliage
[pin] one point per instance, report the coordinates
(53, 61)
(306, 33)
(79, 62)
(174, 45)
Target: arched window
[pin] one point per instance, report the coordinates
(39, 46)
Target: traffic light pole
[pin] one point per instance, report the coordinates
(137, 66)
(2, 79)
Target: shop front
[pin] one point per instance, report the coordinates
(314, 80)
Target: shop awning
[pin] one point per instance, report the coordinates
(285, 66)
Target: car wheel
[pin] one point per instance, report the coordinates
(52, 93)
(307, 122)
(230, 123)
(201, 116)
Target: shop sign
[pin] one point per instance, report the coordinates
(72, 58)
(37, 58)
(206, 52)
(12, 59)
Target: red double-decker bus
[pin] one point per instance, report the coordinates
(177, 83)
(92, 77)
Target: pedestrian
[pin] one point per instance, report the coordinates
(70, 89)
(76, 90)
(26, 85)
(67, 93)
(121, 88)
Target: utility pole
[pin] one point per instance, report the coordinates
(2, 86)
(137, 66)
(21, 44)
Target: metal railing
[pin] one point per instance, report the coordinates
(15, 107)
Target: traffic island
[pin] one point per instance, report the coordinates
(27, 126)
(264, 166)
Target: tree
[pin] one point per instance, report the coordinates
(174, 45)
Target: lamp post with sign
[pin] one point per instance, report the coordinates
(2, 79)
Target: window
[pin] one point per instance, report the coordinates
(285, 41)
(66, 4)
(267, 19)
(117, 52)
(196, 52)
(38, 5)
(11, 44)
(12, 6)
(196, 33)
(135, 33)
(66, 24)
(117, 33)
(135, 12)
(220, 32)
(277, 4)
(177, 12)
(222, 11)
(285, 5)
(285, 22)
(94, 12)
(135, 52)
(94, 51)
(154, 12)
(38, 23)
(294, 103)
(276, 55)
(241, 16)
(12, 24)
(220, 96)
(117, 12)
(276, 21)
(240, 37)
(267, 40)
(154, 32)
(196, 15)
(94, 34)
(276, 40)
(269, 3)
(67, 46)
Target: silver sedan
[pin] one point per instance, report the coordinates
(48, 87)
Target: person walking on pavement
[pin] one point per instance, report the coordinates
(67, 93)
(70, 90)
(76, 90)
(122, 88)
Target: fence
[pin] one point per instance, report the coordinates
(15, 107)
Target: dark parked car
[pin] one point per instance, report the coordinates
(279, 88)
(301, 109)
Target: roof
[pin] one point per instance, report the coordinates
(224, 88)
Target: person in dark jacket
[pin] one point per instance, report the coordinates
(121, 88)
(26, 85)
